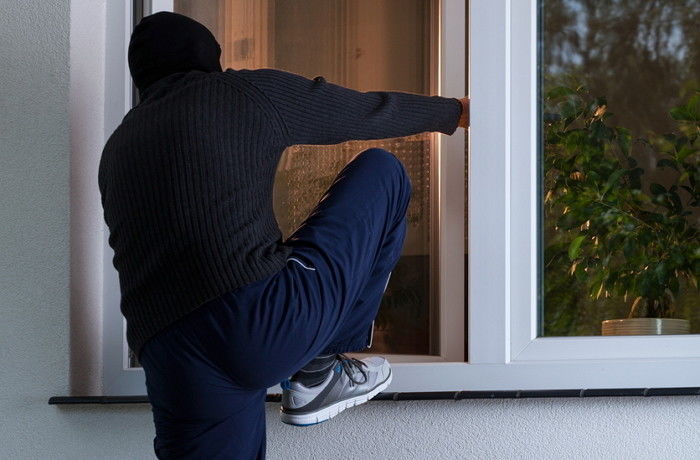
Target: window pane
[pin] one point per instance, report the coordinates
(620, 112)
(365, 45)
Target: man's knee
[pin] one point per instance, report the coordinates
(387, 163)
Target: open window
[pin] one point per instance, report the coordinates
(378, 45)
(402, 45)
(510, 199)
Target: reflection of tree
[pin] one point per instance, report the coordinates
(617, 239)
(643, 55)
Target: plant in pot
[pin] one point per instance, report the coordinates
(623, 238)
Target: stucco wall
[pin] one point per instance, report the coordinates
(35, 337)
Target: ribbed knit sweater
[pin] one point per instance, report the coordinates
(186, 179)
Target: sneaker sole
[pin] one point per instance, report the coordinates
(327, 413)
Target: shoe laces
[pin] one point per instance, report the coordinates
(350, 365)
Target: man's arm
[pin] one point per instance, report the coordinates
(319, 112)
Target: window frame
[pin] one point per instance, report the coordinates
(504, 351)
(504, 241)
(447, 173)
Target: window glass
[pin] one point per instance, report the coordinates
(365, 45)
(619, 166)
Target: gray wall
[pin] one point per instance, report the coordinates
(34, 326)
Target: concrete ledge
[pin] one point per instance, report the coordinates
(430, 395)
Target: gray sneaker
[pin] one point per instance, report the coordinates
(350, 383)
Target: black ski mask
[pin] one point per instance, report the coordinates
(165, 43)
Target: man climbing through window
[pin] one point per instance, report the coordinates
(218, 307)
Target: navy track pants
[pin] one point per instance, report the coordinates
(207, 374)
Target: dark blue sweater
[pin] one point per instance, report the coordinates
(186, 179)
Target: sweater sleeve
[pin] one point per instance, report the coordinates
(319, 112)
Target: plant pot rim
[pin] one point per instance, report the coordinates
(645, 326)
(645, 320)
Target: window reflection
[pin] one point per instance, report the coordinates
(365, 45)
(620, 86)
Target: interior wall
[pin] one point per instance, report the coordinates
(34, 332)
(362, 36)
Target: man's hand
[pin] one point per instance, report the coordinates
(464, 118)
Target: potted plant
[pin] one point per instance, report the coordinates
(623, 238)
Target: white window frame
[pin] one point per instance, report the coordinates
(504, 350)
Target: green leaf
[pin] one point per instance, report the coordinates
(575, 246)
(673, 285)
(634, 176)
(676, 200)
(550, 117)
(568, 109)
(580, 273)
(558, 92)
(666, 162)
(685, 151)
(657, 189)
(646, 284)
(613, 179)
(629, 248)
(670, 137)
(661, 272)
(596, 282)
(689, 111)
(624, 139)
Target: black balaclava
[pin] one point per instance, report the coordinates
(165, 43)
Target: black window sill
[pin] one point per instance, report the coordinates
(431, 395)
